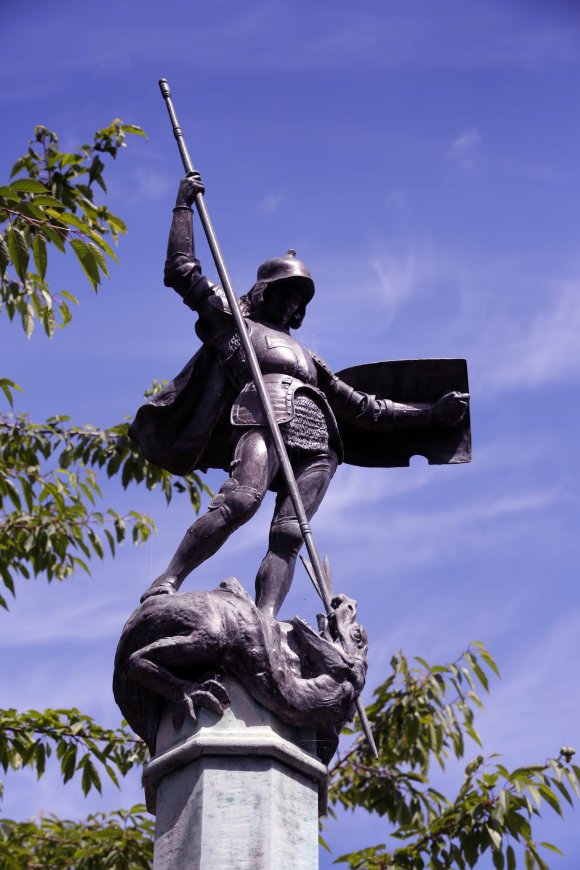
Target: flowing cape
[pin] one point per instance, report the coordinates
(186, 426)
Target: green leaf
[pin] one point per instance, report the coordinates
(28, 185)
(511, 858)
(4, 255)
(133, 128)
(70, 219)
(27, 316)
(39, 251)
(563, 791)
(573, 781)
(494, 837)
(86, 779)
(479, 673)
(490, 662)
(29, 210)
(48, 200)
(87, 260)
(49, 322)
(7, 386)
(551, 847)
(18, 251)
(534, 793)
(100, 258)
(99, 240)
(57, 237)
(550, 798)
(9, 194)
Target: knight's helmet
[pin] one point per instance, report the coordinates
(285, 268)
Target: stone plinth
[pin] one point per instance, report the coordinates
(241, 792)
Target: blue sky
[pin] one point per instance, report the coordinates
(423, 159)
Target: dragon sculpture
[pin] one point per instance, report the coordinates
(175, 649)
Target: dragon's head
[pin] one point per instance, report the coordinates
(339, 626)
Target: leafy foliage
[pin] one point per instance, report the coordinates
(28, 739)
(419, 716)
(48, 479)
(51, 521)
(54, 205)
(122, 840)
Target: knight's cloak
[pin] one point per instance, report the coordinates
(186, 426)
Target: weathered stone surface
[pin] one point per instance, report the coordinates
(241, 791)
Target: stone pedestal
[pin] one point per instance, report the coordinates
(241, 792)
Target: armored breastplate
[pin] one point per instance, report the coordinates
(279, 353)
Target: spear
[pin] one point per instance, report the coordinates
(287, 470)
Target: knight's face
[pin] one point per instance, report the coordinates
(282, 304)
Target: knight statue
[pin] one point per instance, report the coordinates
(210, 414)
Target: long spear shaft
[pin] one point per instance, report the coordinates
(255, 370)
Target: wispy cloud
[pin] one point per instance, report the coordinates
(398, 277)
(546, 349)
(537, 684)
(418, 535)
(464, 150)
(516, 319)
(152, 185)
(538, 347)
(270, 203)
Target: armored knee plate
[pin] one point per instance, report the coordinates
(237, 501)
(286, 533)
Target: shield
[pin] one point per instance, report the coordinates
(408, 381)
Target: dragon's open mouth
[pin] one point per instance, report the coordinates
(333, 626)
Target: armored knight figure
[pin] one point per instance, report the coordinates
(210, 415)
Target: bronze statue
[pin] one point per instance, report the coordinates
(211, 416)
(255, 402)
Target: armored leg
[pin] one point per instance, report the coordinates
(313, 474)
(253, 468)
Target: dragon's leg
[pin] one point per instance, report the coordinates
(153, 665)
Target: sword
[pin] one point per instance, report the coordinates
(256, 373)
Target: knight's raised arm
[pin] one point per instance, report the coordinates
(182, 269)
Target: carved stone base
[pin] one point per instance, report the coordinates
(243, 791)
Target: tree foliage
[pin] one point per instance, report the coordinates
(53, 204)
(52, 522)
(419, 717)
(28, 739)
(122, 840)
